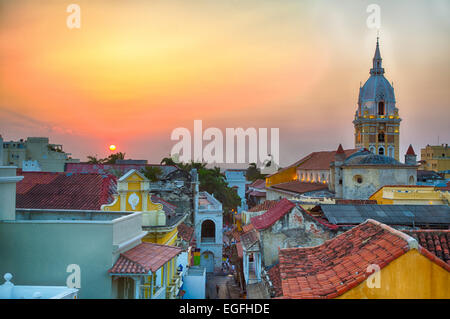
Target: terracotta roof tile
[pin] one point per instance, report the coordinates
(168, 208)
(259, 184)
(317, 160)
(267, 219)
(144, 258)
(275, 278)
(263, 206)
(240, 251)
(435, 241)
(47, 190)
(247, 228)
(186, 232)
(248, 239)
(338, 265)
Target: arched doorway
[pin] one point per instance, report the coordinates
(207, 261)
(208, 232)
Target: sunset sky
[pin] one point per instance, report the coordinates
(136, 70)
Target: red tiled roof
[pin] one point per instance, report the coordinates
(247, 228)
(340, 150)
(300, 187)
(259, 183)
(185, 232)
(320, 220)
(144, 258)
(240, 251)
(316, 160)
(47, 190)
(249, 238)
(235, 234)
(273, 214)
(257, 194)
(410, 150)
(168, 208)
(435, 241)
(267, 204)
(340, 264)
(275, 278)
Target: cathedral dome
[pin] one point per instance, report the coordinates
(365, 157)
(377, 88)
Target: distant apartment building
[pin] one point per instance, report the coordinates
(34, 154)
(435, 158)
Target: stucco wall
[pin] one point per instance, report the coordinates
(409, 276)
(298, 230)
(38, 253)
(372, 180)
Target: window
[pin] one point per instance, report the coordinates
(381, 137)
(381, 151)
(380, 108)
(358, 179)
(208, 231)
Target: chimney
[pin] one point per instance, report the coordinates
(8, 180)
(410, 156)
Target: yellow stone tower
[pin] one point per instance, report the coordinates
(377, 123)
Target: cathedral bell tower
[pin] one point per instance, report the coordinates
(377, 123)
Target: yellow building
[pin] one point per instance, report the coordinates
(410, 195)
(313, 168)
(369, 261)
(435, 158)
(133, 194)
(147, 271)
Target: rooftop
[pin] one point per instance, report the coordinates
(46, 190)
(144, 258)
(114, 168)
(338, 265)
(435, 241)
(263, 206)
(300, 187)
(272, 215)
(316, 160)
(185, 232)
(408, 215)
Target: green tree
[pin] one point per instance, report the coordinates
(253, 173)
(153, 173)
(111, 159)
(94, 160)
(213, 181)
(168, 161)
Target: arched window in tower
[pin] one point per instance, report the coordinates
(381, 150)
(208, 231)
(381, 137)
(381, 108)
(391, 151)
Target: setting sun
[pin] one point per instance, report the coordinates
(112, 147)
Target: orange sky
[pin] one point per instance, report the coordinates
(136, 70)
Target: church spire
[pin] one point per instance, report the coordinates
(377, 66)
